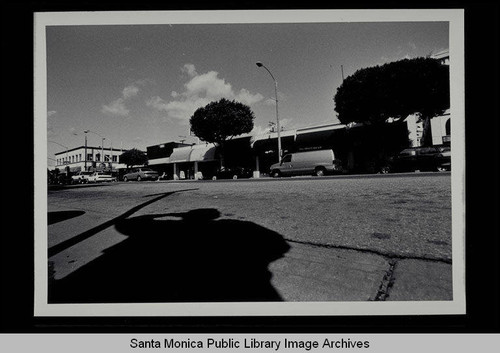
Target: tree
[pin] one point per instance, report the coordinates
(395, 90)
(133, 157)
(222, 120)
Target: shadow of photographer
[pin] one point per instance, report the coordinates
(179, 257)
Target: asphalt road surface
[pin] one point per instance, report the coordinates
(373, 222)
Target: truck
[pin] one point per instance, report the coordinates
(317, 162)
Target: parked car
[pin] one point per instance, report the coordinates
(98, 177)
(433, 158)
(141, 173)
(234, 173)
(81, 177)
(444, 158)
(62, 179)
(320, 162)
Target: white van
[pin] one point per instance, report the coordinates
(318, 163)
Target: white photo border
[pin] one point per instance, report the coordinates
(457, 306)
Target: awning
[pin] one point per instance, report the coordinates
(180, 154)
(196, 153)
(202, 153)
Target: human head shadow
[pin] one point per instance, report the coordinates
(179, 257)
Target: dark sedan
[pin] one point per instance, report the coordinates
(234, 173)
(434, 158)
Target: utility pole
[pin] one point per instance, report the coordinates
(85, 151)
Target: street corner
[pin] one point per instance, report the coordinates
(314, 273)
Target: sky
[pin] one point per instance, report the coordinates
(138, 85)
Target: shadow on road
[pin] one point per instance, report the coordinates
(178, 257)
(56, 249)
(56, 217)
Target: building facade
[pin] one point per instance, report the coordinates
(440, 129)
(89, 158)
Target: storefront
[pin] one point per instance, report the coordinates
(190, 162)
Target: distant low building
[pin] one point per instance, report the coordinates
(89, 158)
(440, 129)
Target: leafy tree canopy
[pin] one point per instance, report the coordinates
(221, 120)
(394, 90)
(133, 157)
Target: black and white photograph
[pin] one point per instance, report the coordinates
(222, 163)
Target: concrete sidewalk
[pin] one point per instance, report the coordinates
(314, 273)
(310, 273)
(305, 273)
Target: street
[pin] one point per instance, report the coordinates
(341, 238)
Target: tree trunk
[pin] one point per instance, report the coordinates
(222, 155)
(427, 132)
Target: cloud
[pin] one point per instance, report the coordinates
(244, 96)
(156, 103)
(189, 69)
(118, 107)
(259, 130)
(285, 124)
(199, 90)
(130, 91)
(272, 101)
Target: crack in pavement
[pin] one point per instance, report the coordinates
(386, 284)
(388, 255)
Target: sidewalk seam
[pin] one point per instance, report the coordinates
(389, 256)
(387, 283)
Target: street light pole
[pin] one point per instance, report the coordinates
(259, 64)
(85, 150)
(110, 160)
(102, 142)
(102, 151)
